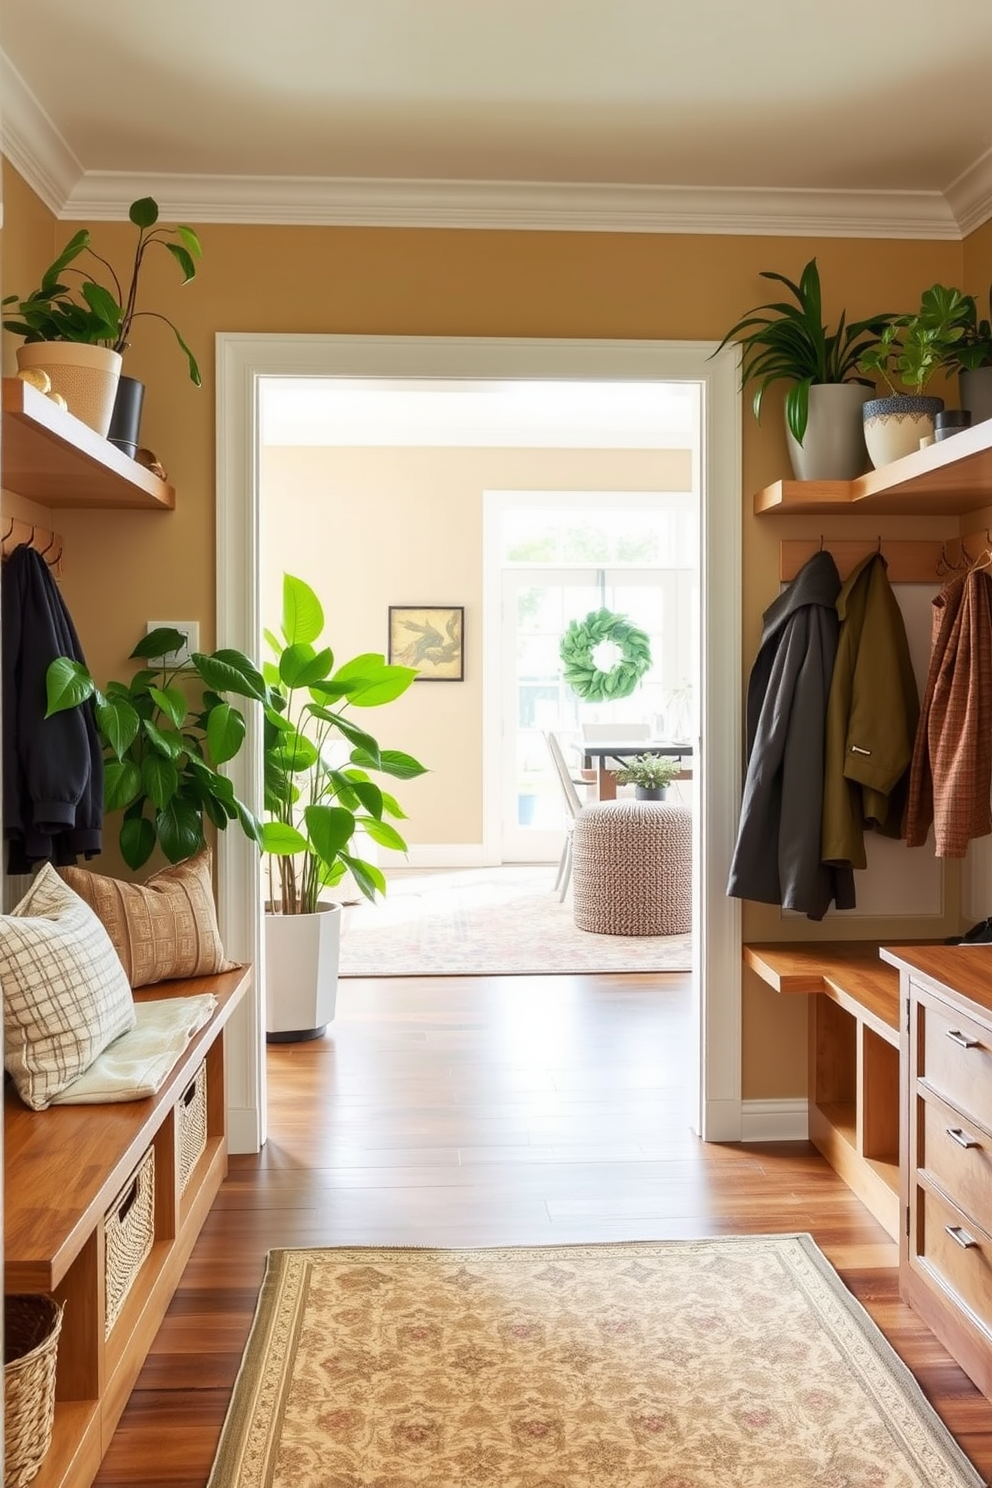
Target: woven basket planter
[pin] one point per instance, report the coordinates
(128, 1233)
(31, 1335)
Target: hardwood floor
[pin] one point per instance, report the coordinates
(482, 1111)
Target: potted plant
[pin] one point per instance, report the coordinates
(912, 349)
(78, 332)
(319, 798)
(971, 358)
(163, 742)
(790, 343)
(651, 774)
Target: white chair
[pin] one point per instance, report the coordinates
(573, 805)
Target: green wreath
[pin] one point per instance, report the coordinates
(582, 674)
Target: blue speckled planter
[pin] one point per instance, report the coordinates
(895, 426)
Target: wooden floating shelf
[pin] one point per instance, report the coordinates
(53, 458)
(949, 478)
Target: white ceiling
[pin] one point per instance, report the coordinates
(650, 115)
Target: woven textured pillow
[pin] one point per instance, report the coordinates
(162, 929)
(65, 997)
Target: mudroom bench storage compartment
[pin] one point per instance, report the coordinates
(103, 1206)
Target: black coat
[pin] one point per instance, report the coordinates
(52, 767)
(778, 855)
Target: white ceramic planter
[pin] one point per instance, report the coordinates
(895, 426)
(301, 973)
(833, 446)
(86, 376)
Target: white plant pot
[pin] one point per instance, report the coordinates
(833, 446)
(895, 426)
(86, 376)
(301, 973)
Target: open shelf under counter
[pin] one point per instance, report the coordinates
(949, 478)
(53, 458)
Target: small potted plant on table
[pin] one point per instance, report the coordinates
(651, 774)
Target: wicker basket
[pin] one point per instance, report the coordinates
(31, 1335)
(191, 1118)
(128, 1231)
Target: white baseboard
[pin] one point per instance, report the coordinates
(774, 1120)
(242, 1130)
(445, 855)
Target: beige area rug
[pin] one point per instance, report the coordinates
(676, 1364)
(490, 922)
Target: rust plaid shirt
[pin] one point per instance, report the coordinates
(951, 771)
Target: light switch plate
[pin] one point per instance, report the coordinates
(191, 630)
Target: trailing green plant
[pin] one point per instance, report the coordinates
(650, 770)
(165, 734)
(791, 344)
(88, 311)
(319, 795)
(912, 348)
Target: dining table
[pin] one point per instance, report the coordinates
(606, 755)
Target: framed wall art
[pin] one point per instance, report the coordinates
(430, 638)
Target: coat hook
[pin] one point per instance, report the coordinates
(878, 547)
(50, 545)
(943, 566)
(821, 542)
(9, 533)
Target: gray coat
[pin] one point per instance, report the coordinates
(777, 857)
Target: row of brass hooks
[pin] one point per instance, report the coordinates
(42, 552)
(965, 560)
(878, 545)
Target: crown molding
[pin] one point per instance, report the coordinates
(970, 195)
(32, 144)
(39, 153)
(545, 206)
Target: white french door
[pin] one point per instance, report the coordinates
(537, 605)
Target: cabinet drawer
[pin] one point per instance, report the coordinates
(964, 1263)
(958, 1158)
(956, 1060)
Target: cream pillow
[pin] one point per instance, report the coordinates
(163, 929)
(65, 995)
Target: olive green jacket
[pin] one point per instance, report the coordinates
(872, 712)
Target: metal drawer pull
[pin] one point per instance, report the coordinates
(960, 1237)
(959, 1135)
(958, 1037)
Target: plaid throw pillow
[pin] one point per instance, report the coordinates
(65, 995)
(163, 929)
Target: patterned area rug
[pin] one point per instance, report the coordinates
(490, 922)
(675, 1364)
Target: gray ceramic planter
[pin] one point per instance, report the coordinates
(833, 447)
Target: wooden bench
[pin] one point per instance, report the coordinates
(853, 1060)
(64, 1168)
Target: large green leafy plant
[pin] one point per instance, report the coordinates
(791, 344)
(165, 734)
(912, 348)
(86, 310)
(319, 794)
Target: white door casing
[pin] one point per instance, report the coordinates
(242, 360)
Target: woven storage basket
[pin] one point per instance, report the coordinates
(191, 1116)
(128, 1232)
(31, 1335)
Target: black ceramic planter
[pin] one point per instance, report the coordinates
(125, 422)
(951, 421)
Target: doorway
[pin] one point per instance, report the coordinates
(540, 551)
(242, 361)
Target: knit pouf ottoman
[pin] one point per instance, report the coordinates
(632, 868)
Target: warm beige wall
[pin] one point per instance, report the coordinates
(417, 514)
(124, 567)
